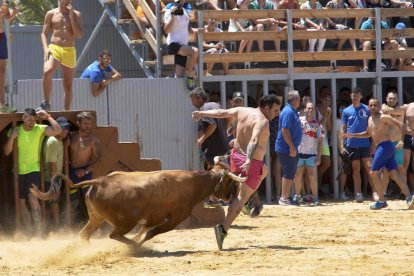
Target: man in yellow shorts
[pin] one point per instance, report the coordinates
(65, 23)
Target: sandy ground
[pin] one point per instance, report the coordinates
(337, 238)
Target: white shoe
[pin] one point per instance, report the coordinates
(343, 196)
(359, 198)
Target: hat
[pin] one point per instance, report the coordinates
(63, 122)
(238, 95)
(400, 26)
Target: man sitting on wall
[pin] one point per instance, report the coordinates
(101, 73)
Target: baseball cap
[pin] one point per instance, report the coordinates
(238, 95)
(400, 26)
(63, 122)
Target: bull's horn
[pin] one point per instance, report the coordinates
(235, 177)
(218, 158)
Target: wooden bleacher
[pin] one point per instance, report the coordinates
(272, 56)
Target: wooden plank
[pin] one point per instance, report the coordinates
(394, 33)
(339, 13)
(147, 35)
(390, 54)
(397, 12)
(148, 13)
(299, 34)
(224, 15)
(282, 56)
(246, 57)
(333, 55)
(334, 34)
(269, 71)
(238, 36)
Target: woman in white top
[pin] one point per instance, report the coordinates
(241, 24)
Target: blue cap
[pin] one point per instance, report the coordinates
(400, 26)
(63, 122)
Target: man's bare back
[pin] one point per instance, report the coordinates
(409, 119)
(60, 25)
(247, 120)
(83, 150)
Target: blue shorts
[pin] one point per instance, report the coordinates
(309, 161)
(384, 157)
(399, 154)
(3, 46)
(288, 165)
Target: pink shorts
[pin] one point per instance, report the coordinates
(255, 170)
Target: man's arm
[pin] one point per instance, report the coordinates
(398, 111)
(258, 128)
(288, 139)
(169, 19)
(76, 22)
(216, 113)
(54, 128)
(209, 131)
(43, 35)
(115, 75)
(8, 147)
(391, 120)
(96, 156)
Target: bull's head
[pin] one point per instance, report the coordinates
(228, 181)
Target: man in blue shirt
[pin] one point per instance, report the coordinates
(101, 73)
(355, 120)
(288, 139)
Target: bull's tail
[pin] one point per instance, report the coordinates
(54, 190)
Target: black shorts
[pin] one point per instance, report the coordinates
(358, 153)
(409, 142)
(26, 181)
(173, 49)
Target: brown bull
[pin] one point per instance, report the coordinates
(157, 201)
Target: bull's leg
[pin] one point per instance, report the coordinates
(119, 232)
(95, 220)
(168, 225)
(142, 231)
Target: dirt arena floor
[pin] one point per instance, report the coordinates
(337, 238)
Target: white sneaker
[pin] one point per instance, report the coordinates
(359, 198)
(375, 196)
(343, 196)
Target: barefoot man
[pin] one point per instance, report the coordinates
(65, 23)
(379, 128)
(248, 153)
(5, 14)
(84, 155)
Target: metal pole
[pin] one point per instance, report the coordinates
(9, 70)
(400, 91)
(244, 90)
(334, 139)
(92, 37)
(200, 49)
(223, 94)
(291, 69)
(378, 55)
(267, 157)
(158, 38)
(353, 82)
(312, 90)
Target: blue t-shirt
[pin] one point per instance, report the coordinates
(356, 120)
(369, 25)
(95, 73)
(289, 119)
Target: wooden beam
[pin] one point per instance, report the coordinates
(394, 33)
(390, 54)
(282, 56)
(238, 36)
(148, 13)
(331, 13)
(334, 34)
(270, 71)
(397, 12)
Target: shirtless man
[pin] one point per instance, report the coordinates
(84, 154)
(65, 23)
(5, 14)
(248, 153)
(379, 129)
(409, 137)
(391, 107)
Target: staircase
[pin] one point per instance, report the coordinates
(145, 48)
